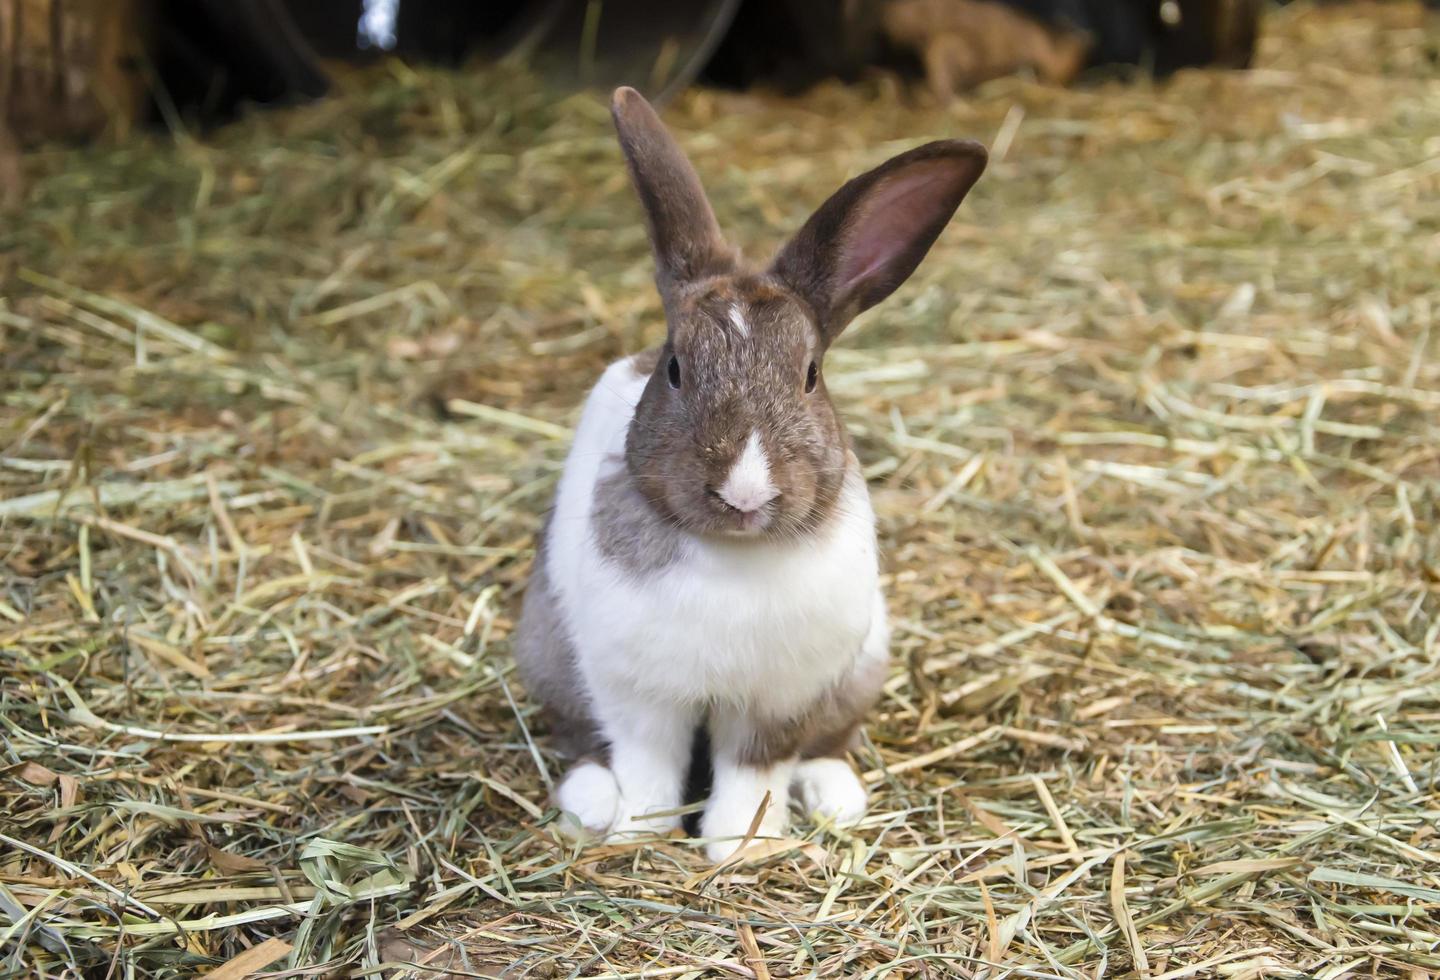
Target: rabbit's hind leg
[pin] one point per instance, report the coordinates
(824, 781)
(546, 661)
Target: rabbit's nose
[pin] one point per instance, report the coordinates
(749, 486)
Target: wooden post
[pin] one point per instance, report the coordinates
(72, 68)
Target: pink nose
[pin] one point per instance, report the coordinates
(749, 485)
(747, 500)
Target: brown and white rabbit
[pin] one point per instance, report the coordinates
(711, 555)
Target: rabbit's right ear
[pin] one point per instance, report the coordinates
(683, 231)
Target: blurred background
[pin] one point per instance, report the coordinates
(298, 302)
(80, 67)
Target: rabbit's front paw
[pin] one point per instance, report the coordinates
(590, 794)
(830, 788)
(738, 795)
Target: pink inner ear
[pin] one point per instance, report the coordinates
(893, 216)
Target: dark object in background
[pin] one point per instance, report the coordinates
(1209, 32)
(203, 60)
(218, 54)
(771, 41)
(660, 48)
(1161, 35)
(444, 32)
(213, 56)
(792, 44)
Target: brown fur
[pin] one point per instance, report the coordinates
(545, 658)
(826, 727)
(963, 43)
(629, 532)
(856, 249)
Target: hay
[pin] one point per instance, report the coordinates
(1154, 444)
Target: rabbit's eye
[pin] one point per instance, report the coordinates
(673, 372)
(811, 377)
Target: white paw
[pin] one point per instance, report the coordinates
(728, 843)
(590, 795)
(729, 818)
(829, 788)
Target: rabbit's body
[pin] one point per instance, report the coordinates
(767, 625)
(770, 631)
(711, 556)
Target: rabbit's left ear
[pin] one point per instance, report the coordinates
(872, 233)
(683, 231)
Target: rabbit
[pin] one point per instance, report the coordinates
(711, 555)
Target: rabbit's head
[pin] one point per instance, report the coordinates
(735, 433)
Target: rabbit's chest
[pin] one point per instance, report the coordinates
(759, 630)
(761, 624)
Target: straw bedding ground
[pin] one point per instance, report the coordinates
(1154, 439)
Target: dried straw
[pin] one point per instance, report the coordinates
(1153, 438)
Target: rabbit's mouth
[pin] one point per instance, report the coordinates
(740, 522)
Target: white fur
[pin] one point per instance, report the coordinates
(589, 794)
(649, 750)
(829, 788)
(762, 626)
(748, 486)
(737, 796)
(737, 320)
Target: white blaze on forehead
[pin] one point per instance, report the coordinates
(737, 320)
(748, 486)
